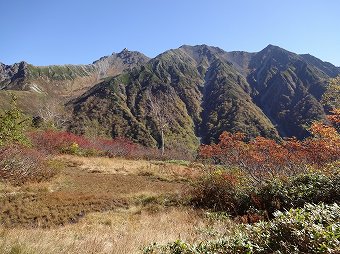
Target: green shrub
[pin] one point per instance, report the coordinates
(13, 125)
(311, 229)
(224, 190)
(296, 191)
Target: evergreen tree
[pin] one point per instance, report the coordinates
(12, 125)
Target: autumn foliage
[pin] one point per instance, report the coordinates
(56, 142)
(250, 180)
(52, 141)
(264, 157)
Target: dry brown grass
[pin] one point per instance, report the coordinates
(86, 185)
(98, 205)
(159, 169)
(122, 231)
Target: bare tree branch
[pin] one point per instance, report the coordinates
(52, 112)
(158, 107)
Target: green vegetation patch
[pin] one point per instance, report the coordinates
(311, 229)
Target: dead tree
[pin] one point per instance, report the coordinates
(52, 112)
(159, 111)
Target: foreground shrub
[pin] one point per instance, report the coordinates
(220, 191)
(296, 191)
(311, 229)
(227, 191)
(19, 165)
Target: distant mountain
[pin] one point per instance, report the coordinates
(288, 89)
(64, 81)
(271, 93)
(201, 91)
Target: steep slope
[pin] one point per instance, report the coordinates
(227, 105)
(326, 67)
(288, 89)
(198, 91)
(120, 106)
(12, 74)
(198, 85)
(62, 82)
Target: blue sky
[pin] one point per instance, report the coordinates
(45, 32)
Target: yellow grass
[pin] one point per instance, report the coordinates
(124, 231)
(125, 166)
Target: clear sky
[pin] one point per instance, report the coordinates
(45, 32)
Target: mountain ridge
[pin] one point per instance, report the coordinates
(272, 93)
(111, 65)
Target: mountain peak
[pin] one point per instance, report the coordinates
(201, 53)
(125, 52)
(274, 48)
(276, 55)
(23, 64)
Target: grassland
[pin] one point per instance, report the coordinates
(99, 205)
(113, 205)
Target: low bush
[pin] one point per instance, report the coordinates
(54, 142)
(311, 229)
(297, 191)
(118, 147)
(227, 191)
(220, 191)
(265, 159)
(19, 165)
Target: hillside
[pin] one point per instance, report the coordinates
(200, 92)
(206, 90)
(288, 89)
(61, 82)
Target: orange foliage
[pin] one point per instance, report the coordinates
(324, 146)
(335, 117)
(264, 157)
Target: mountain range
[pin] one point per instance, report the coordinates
(194, 93)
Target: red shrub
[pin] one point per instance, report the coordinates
(120, 147)
(63, 142)
(54, 141)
